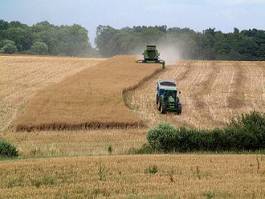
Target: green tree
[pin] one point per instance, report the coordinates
(9, 47)
(3, 27)
(105, 40)
(39, 48)
(47, 33)
(21, 36)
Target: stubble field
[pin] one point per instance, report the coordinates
(213, 92)
(175, 176)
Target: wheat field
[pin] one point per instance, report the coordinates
(90, 99)
(98, 163)
(22, 76)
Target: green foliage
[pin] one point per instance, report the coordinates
(39, 48)
(73, 40)
(7, 150)
(245, 133)
(8, 46)
(45, 38)
(151, 169)
(209, 195)
(210, 44)
(162, 137)
(144, 149)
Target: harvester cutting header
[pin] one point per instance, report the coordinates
(151, 55)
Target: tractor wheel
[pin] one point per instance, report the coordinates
(158, 105)
(179, 111)
(162, 108)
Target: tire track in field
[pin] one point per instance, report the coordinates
(237, 98)
(185, 73)
(255, 89)
(205, 89)
(263, 83)
(260, 80)
(202, 97)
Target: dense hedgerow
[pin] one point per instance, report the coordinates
(246, 132)
(7, 150)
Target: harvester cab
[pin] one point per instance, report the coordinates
(151, 55)
(167, 97)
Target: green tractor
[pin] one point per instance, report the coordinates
(151, 55)
(167, 99)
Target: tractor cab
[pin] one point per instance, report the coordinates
(151, 55)
(167, 97)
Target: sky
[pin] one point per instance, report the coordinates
(223, 15)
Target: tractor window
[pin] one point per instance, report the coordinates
(168, 84)
(151, 53)
(161, 92)
(171, 93)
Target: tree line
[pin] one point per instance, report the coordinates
(43, 38)
(46, 38)
(209, 44)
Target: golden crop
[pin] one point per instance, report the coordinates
(22, 76)
(90, 99)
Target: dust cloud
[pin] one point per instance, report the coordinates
(171, 54)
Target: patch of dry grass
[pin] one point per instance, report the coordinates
(22, 76)
(75, 143)
(184, 176)
(93, 98)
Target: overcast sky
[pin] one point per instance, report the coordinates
(196, 14)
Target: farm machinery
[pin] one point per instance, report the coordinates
(167, 99)
(151, 55)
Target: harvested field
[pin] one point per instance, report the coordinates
(177, 176)
(213, 92)
(22, 76)
(91, 99)
(75, 143)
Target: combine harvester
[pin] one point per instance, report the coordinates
(151, 55)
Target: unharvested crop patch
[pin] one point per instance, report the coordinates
(90, 99)
(22, 76)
